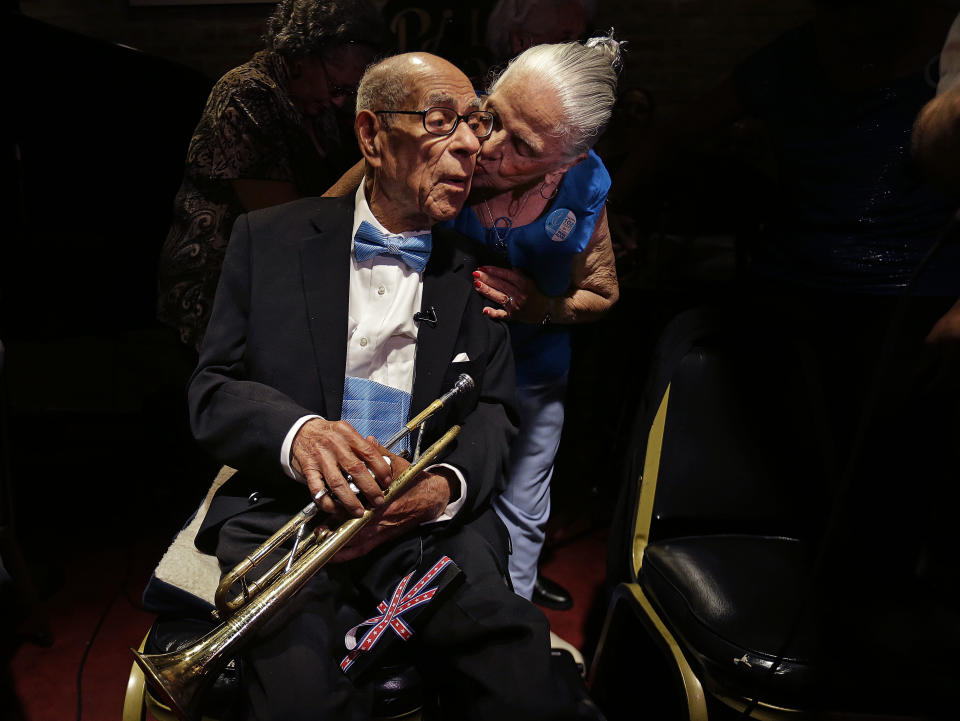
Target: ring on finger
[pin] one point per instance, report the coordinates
(509, 300)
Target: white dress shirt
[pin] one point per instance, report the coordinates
(381, 333)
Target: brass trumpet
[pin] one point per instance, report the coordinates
(179, 678)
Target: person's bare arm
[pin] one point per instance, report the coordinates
(947, 328)
(348, 182)
(593, 291)
(936, 138)
(256, 194)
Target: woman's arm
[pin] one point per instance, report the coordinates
(256, 194)
(593, 291)
(348, 183)
(595, 287)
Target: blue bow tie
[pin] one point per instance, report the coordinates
(414, 251)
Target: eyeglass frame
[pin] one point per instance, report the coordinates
(423, 119)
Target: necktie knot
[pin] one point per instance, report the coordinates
(370, 242)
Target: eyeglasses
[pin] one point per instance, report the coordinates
(443, 121)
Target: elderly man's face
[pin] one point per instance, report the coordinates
(423, 174)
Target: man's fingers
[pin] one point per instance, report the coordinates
(341, 490)
(364, 480)
(317, 487)
(368, 454)
(371, 452)
(335, 450)
(332, 478)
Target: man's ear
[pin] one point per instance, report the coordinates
(369, 134)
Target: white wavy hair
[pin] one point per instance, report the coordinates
(584, 77)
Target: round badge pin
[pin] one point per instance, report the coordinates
(559, 224)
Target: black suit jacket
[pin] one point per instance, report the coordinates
(275, 350)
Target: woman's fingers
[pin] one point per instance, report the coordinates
(506, 287)
(495, 313)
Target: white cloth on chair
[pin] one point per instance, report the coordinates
(184, 573)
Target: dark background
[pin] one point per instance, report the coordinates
(104, 97)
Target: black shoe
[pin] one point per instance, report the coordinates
(549, 594)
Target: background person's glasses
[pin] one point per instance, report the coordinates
(443, 121)
(335, 90)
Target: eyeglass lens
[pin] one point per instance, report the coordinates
(442, 121)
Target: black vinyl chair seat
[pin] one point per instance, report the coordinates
(730, 599)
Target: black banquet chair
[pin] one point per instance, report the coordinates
(750, 577)
(729, 477)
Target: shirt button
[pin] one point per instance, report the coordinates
(381, 290)
(363, 342)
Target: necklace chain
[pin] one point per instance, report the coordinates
(503, 224)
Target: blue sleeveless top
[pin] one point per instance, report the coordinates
(544, 250)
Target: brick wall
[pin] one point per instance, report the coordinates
(678, 47)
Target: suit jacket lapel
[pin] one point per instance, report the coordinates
(325, 267)
(447, 293)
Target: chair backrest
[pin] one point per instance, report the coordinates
(730, 435)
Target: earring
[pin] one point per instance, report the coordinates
(556, 189)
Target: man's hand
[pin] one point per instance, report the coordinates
(423, 500)
(323, 450)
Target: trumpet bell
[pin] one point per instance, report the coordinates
(176, 679)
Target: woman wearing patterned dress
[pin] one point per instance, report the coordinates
(269, 134)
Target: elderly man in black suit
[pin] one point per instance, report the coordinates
(335, 320)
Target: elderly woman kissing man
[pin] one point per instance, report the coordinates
(538, 198)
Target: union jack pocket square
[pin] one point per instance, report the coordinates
(396, 615)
